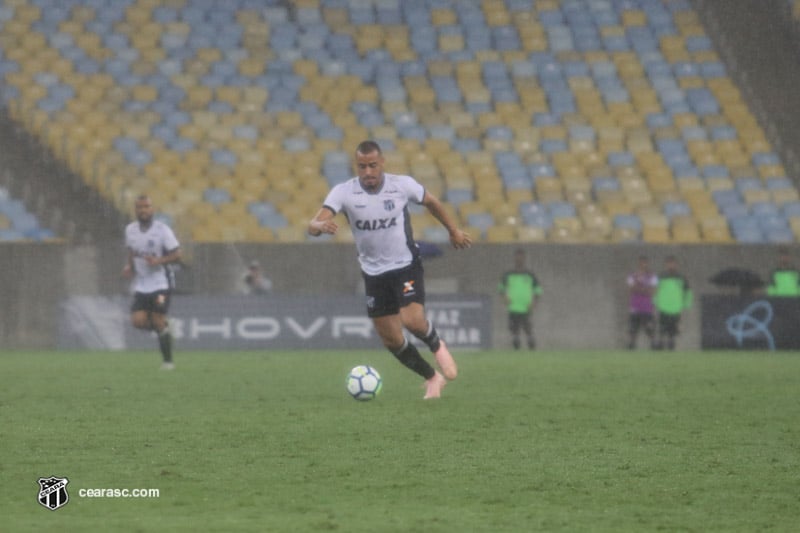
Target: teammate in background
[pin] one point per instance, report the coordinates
(672, 297)
(641, 286)
(152, 248)
(784, 281)
(520, 289)
(376, 206)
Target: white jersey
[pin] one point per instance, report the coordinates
(380, 221)
(158, 241)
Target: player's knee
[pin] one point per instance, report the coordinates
(417, 326)
(393, 342)
(140, 322)
(159, 322)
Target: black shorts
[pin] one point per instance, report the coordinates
(669, 324)
(637, 321)
(519, 321)
(388, 292)
(151, 302)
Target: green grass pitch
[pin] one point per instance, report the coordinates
(544, 441)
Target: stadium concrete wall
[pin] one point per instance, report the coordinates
(32, 282)
(584, 305)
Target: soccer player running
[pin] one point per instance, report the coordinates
(376, 206)
(152, 248)
(520, 289)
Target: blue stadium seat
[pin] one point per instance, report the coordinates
(534, 214)
(630, 222)
(456, 196)
(216, 196)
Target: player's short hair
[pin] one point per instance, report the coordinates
(368, 147)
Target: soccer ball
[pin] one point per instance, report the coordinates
(364, 383)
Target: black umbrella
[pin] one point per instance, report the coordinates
(746, 280)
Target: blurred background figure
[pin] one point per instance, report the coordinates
(520, 288)
(254, 280)
(673, 296)
(784, 280)
(641, 287)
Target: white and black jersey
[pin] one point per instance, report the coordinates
(157, 241)
(380, 221)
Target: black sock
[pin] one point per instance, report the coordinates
(410, 357)
(165, 344)
(431, 338)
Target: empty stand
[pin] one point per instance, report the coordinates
(564, 121)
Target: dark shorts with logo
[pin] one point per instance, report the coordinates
(388, 292)
(151, 302)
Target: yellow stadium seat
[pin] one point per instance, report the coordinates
(597, 222)
(719, 184)
(771, 171)
(633, 17)
(686, 234)
(753, 196)
(717, 235)
(229, 94)
(568, 235)
(501, 234)
(199, 96)
(531, 234)
(655, 235)
(690, 184)
(782, 196)
(624, 235)
(794, 224)
(517, 196)
(291, 234)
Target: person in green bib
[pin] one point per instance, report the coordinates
(671, 298)
(784, 281)
(520, 289)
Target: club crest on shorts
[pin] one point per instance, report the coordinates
(388, 205)
(53, 492)
(408, 287)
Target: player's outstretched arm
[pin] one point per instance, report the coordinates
(322, 223)
(458, 238)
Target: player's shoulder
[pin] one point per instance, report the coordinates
(399, 179)
(163, 230)
(347, 186)
(405, 183)
(160, 226)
